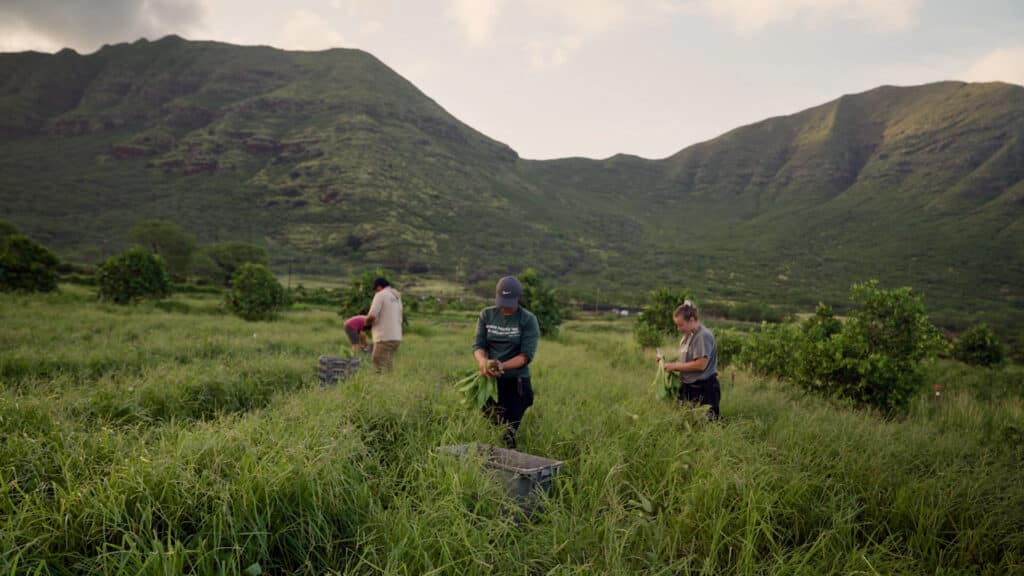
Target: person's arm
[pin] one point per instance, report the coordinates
(527, 346)
(374, 308)
(480, 345)
(695, 365)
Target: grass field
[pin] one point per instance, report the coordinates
(170, 438)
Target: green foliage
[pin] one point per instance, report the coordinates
(217, 263)
(730, 346)
(656, 317)
(542, 301)
(753, 312)
(255, 293)
(168, 240)
(277, 171)
(823, 325)
(7, 229)
(979, 346)
(873, 359)
(133, 275)
(647, 335)
(356, 299)
(26, 265)
(771, 350)
(145, 441)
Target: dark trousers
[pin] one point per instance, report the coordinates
(515, 395)
(704, 392)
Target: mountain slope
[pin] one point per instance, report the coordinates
(334, 162)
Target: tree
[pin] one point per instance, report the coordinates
(540, 300)
(7, 229)
(26, 265)
(979, 346)
(875, 357)
(218, 262)
(167, 239)
(255, 293)
(133, 275)
(655, 321)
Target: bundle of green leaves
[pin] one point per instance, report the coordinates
(477, 389)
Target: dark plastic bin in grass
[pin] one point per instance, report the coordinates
(524, 476)
(334, 369)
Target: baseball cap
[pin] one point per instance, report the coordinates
(507, 292)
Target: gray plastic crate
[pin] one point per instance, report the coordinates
(334, 369)
(524, 476)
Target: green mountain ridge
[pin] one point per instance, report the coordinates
(335, 162)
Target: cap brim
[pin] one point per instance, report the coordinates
(511, 302)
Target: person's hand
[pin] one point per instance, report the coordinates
(668, 366)
(482, 365)
(493, 368)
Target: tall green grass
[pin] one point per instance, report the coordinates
(154, 439)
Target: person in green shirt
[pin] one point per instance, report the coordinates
(508, 334)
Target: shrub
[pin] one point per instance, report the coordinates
(730, 346)
(7, 229)
(541, 300)
(356, 299)
(875, 358)
(217, 263)
(168, 240)
(647, 336)
(132, 275)
(754, 312)
(255, 293)
(26, 266)
(979, 346)
(656, 317)
(771, 350)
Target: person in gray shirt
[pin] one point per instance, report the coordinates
(698, 361)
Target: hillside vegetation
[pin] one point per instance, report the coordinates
(334, 162)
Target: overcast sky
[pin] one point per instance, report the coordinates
(555, 78)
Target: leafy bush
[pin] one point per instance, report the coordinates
(730, 346)
(754, 312)
(357, 298)
(217, 263)
(656, 317)
(7, 229)
(134, 274)
(875, 358)
(26, 266)
(541, 300)
(168, 240)
(979, 346)
(255, 293)
(771, 350)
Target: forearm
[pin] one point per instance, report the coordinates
(517, 361)
(697, 365)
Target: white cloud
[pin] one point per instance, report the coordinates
(305, 30)
(16, 36)
(1004, 65)
(749, 16)
(476, 17)
(572, 24)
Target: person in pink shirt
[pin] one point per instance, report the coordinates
(354, 328)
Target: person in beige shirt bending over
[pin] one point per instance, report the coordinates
(385, 318)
